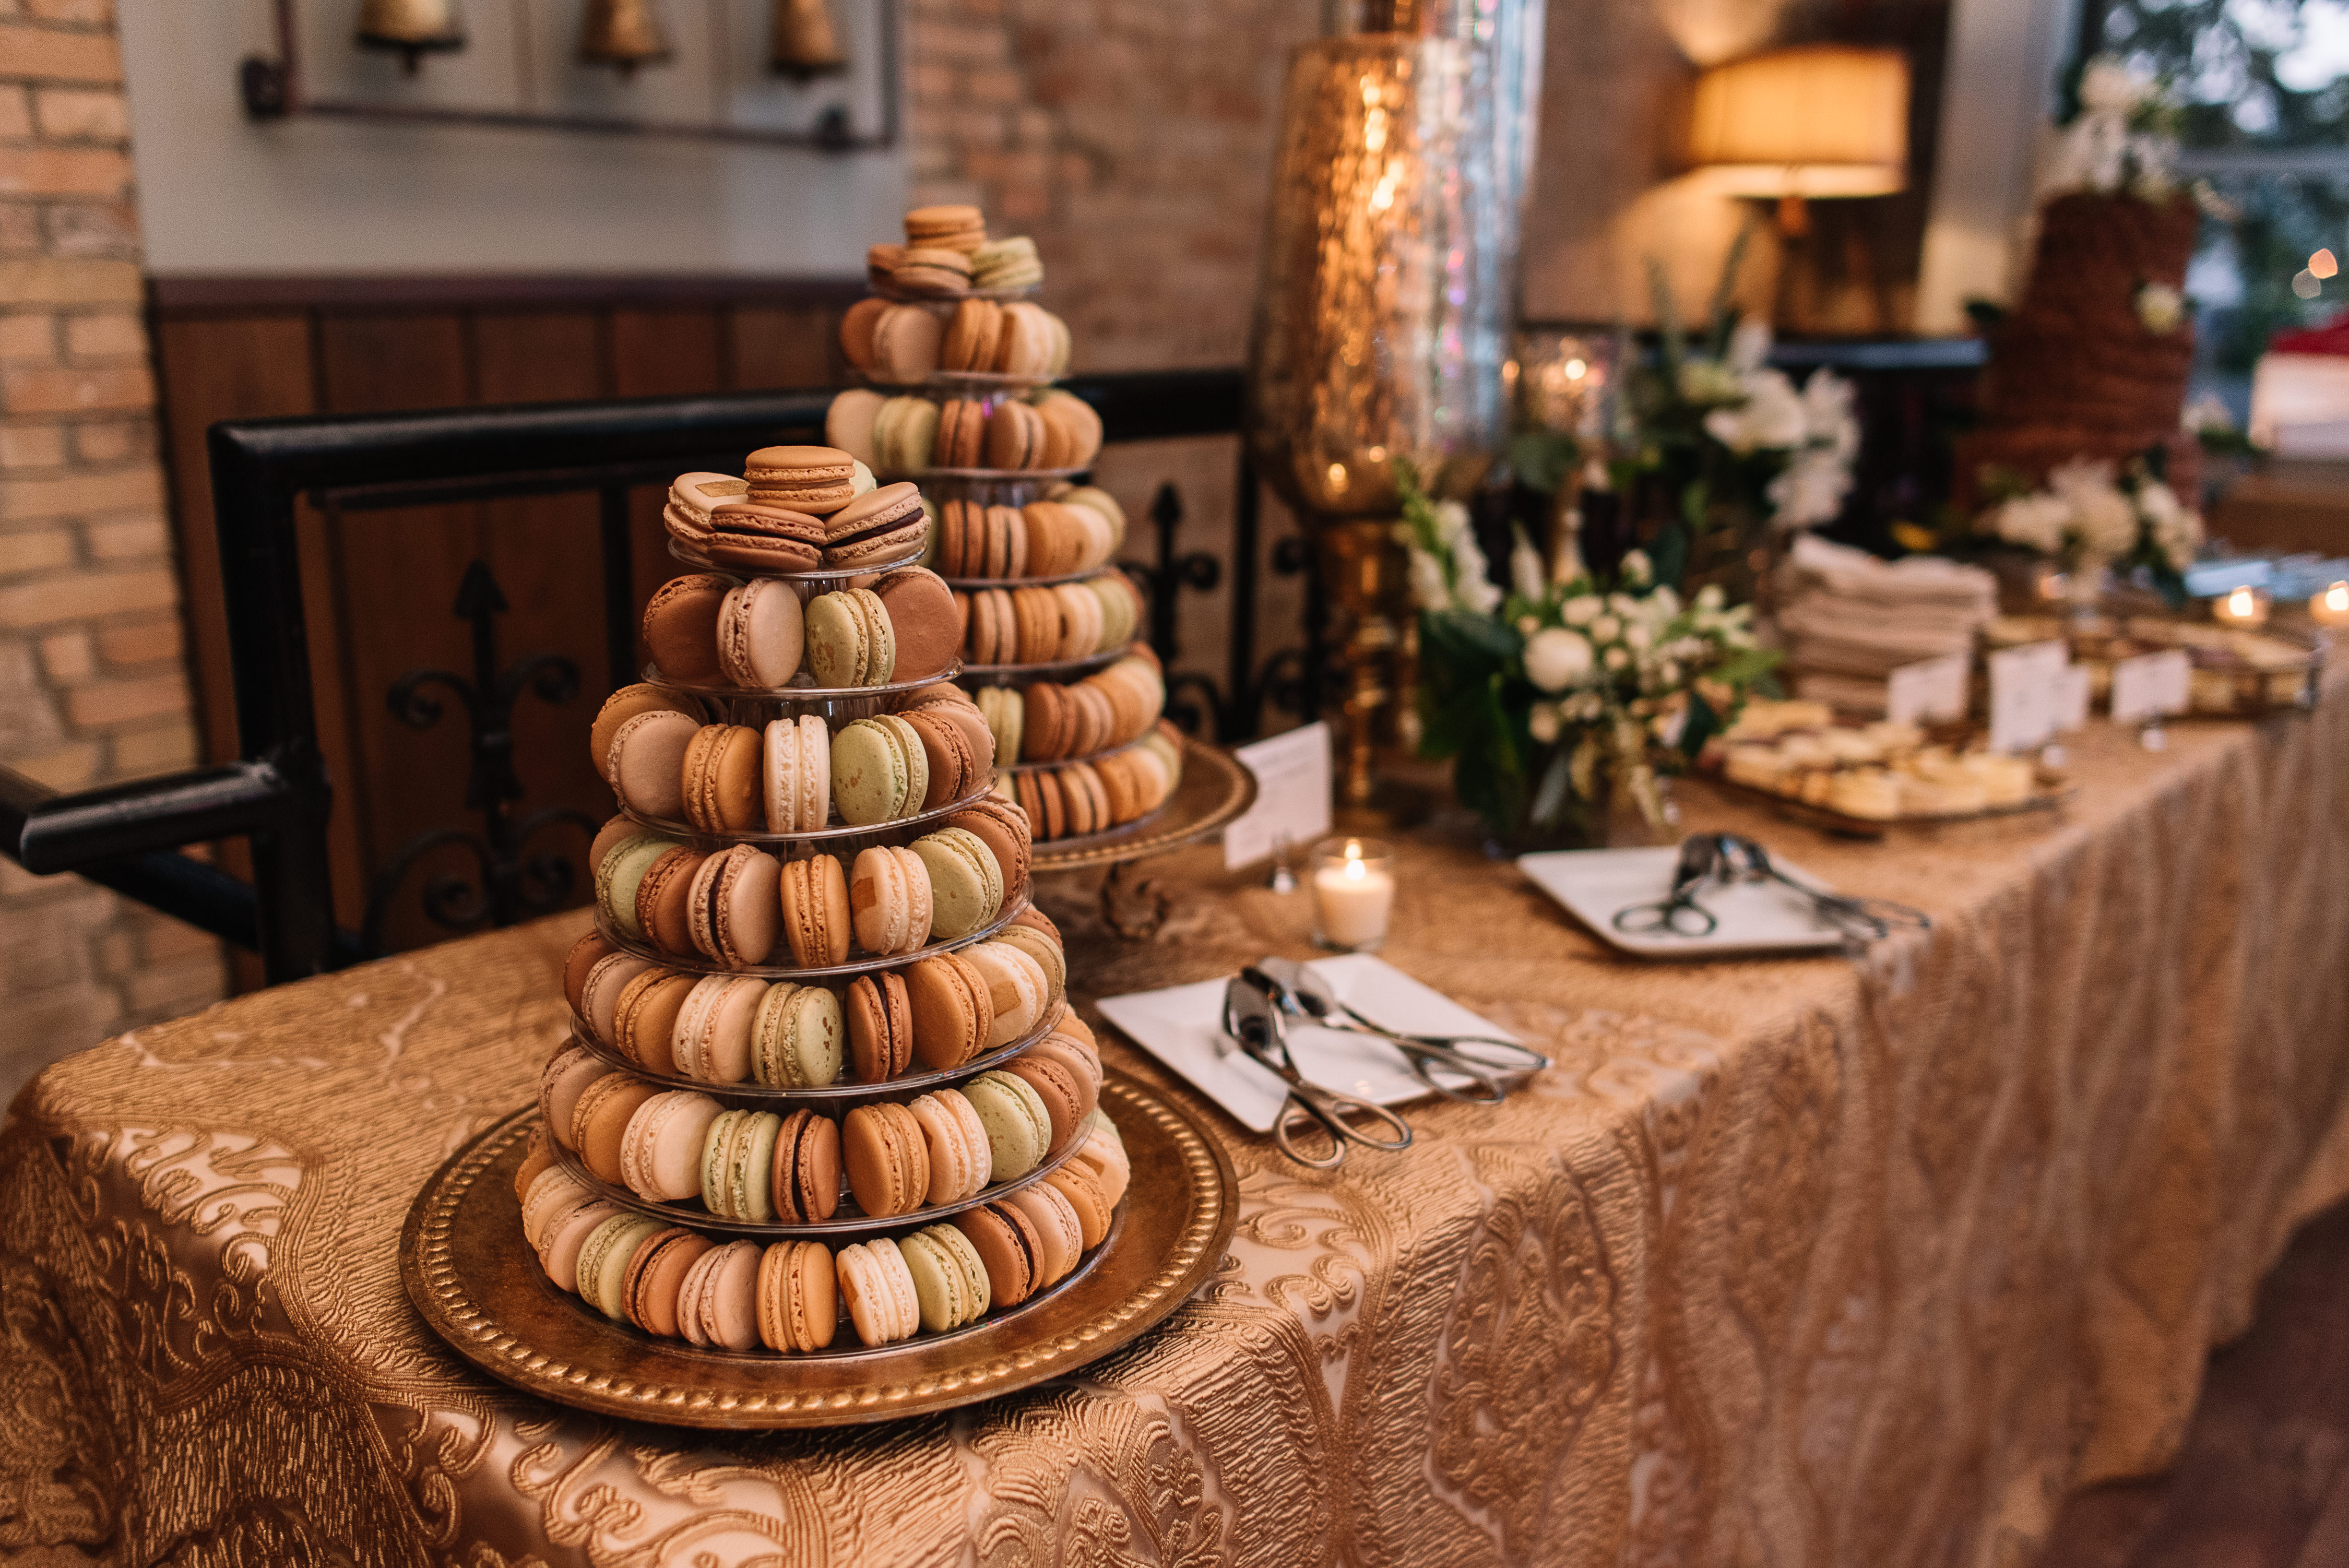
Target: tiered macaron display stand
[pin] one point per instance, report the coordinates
(545, 1174)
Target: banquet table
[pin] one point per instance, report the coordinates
(1864, 1259)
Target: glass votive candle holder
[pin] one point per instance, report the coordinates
(2329, 606)
(1353, 894)
(2246, 609)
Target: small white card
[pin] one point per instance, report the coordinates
(2025, 695)
(1929, 691)
(2072, 691)
(1292, 795)
(2151, 685)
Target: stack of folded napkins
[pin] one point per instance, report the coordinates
(1848, 619)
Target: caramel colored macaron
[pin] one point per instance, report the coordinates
(816, 481)
(815, 915)
(645, 1024)
(962, 434)
(656, 1277)
(665, 899)
(1009, 1248)
(1005, 830)
(921, 612)
(951, 225)
(887, 1160)
(647, 766)
(953, 768)
(904, 350)
(1067, 1100)
(623, 705)
(599, 1123)
(720, 779)
(972, 336)
(807, 1168)
(680, 628)
(717, 1303)
(798, 1296)
(858, 321)
(1015, 437)
(759, 536)
(931, 272)
(1085, 1196)
(579, 963)
(952, 1011)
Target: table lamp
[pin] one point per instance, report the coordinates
(1804, 124)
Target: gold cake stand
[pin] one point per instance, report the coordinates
(478, 1285)
(1216, 788)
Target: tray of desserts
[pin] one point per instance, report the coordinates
(2236, 672)
(618, 1313)
(1863, 779)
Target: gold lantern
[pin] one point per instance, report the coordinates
(806, 41)
(623, 33)
(1383, 308)
(412, 27)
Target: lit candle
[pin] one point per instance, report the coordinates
(2330, 607)
(2246, 608)
(1353, 893)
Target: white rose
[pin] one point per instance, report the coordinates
(2101, 515)
(1581, 610)
(1451, 520)
(2109, 86)
(1636, 568)
(1557, 658)
(1605, 629)
(1428, 589)
(1709, 597)
(1810, 490)
(1637, 637)
(1526, 574)
(1473, 580)
(1617, 658)
(1772, 416)
(1544, 722)
(2035, 521)
(2159, 503)
(1828, 418)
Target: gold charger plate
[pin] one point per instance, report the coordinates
(466, 1269)
(1216, 786)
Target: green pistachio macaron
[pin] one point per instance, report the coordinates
(604, 1262)
(966, 884)
(949, 1282)
(850, 642)
(749, 1167)
(717, 1145)
(798, 1038)
(619, 877)
(880, 771)
(1019, 1127)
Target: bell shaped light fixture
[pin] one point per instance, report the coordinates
(625, 33)
(411, 27)
(1818, 120)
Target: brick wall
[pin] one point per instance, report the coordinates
(92, 687)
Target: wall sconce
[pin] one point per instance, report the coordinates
(623, 33)
(413, 27)
(1803, 124)
(805, 43)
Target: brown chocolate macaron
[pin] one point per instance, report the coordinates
(807, 1168)
(1064, 1094)
(1009, 1249)
(922, 616)
(655, 1273)
(1006, 539)
(880, 1027)
(680, 628)
(585, 954)
(1046, 730)
(759, 536)
(953, 768)
(1005, 830)
(734, 911)
(962, 434)
(874, 512)
(1015, 437)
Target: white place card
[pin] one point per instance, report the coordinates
(2151, 685)
(1292, 795)
(2025, 695)
(2072, 692)
(1929, 691)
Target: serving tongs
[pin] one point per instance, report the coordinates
(1859, 918)
(1306, 995)
(1254, 1019)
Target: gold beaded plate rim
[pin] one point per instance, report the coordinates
(480, 1288)
(1215, 786)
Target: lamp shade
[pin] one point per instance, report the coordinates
(1822, 119)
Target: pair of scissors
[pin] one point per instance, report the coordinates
(1678, 914)
(1858, 917)
(1252, 1017)
(1303, 994)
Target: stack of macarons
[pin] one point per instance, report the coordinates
(1073, 800)
(1045, 721)
(1042, 539)
(743, 908)
(1053, 429)
(712, 632)
(1049, 624)
(904, 345)
(940, 1011)
(667, 1145)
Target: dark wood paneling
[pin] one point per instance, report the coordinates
(380, 586)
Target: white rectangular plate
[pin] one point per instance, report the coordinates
(1755, 917)
(1183, 1027)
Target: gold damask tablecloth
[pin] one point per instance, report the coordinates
(1816, 1262)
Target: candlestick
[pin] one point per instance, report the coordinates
(1353, 894)
(2330, 607)
(2244, 608)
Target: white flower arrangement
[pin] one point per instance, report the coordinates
(2089, 516)
(2121, 141)
(1614, 678)
(1759, 410)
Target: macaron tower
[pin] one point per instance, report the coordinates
(1048, 628)
(824, 1090)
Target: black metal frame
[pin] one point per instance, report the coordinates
(278, 795)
